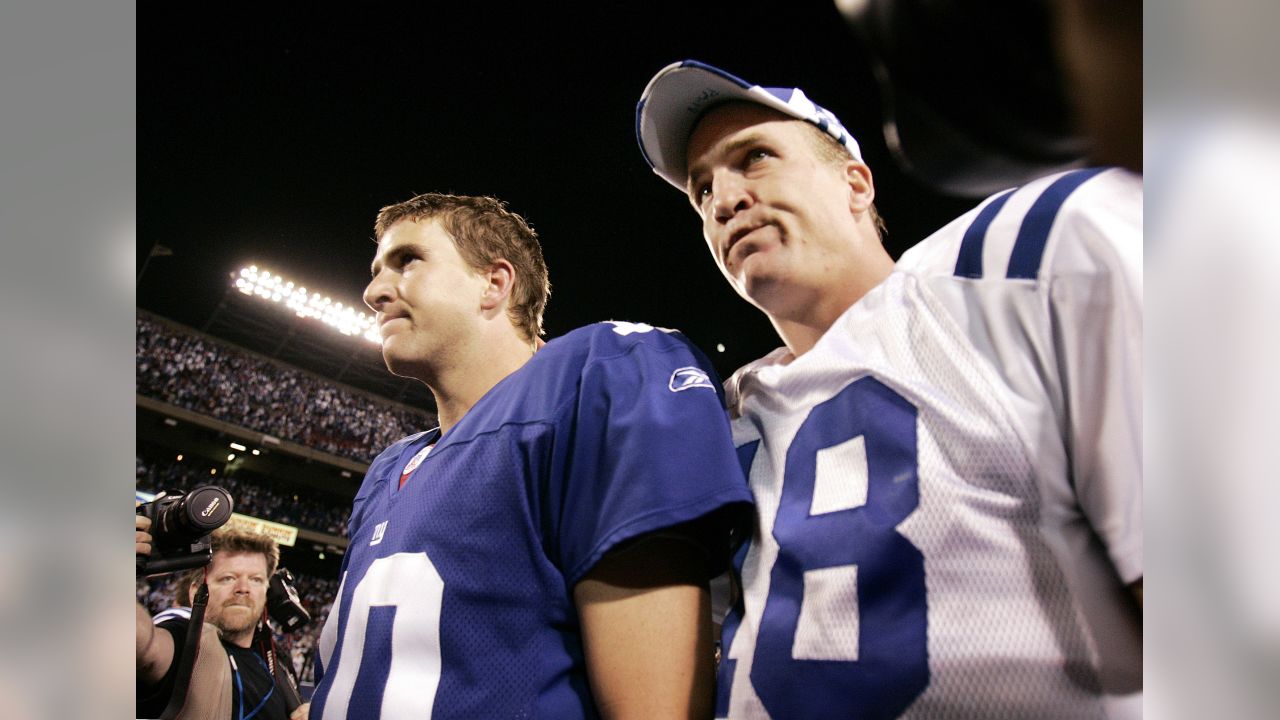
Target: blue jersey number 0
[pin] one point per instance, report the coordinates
(883, 667)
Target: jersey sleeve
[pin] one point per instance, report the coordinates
(650, 449)
(1046, 282)
(1095, 307)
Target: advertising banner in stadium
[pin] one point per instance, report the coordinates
(283, 534)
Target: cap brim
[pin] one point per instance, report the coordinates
(673, 102)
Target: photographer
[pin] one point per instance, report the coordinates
(231, 676)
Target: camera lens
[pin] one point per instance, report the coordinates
(206, 508)
(180, 527)
(200, 511)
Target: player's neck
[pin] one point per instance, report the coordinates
(801, 335)
(458, 389)
(802, 329)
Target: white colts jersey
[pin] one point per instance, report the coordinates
(948, 485)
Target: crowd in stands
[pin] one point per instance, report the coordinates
(219, 380)
(316, 594)
(251, 495)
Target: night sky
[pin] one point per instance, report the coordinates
(273, 136)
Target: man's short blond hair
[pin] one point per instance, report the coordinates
(484, 229)
(231, 540)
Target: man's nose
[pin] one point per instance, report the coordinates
(378, 292)
(729, 195)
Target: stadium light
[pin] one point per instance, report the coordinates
(261, 283)
(238, 446)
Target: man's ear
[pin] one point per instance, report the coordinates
(501, 280)
(862, 190)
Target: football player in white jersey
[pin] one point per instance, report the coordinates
(946, 453)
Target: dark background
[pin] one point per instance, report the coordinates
(272, 134)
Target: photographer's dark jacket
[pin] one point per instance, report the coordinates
(213, 694)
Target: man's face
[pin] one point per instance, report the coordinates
(776, 216)
(426, 296)
(237, 592)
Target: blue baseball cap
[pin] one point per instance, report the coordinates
(678, 96)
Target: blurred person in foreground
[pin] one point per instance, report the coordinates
(946, 453)
(1062, 86)
(546, 551)
(232, 675)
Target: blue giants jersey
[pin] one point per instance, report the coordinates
(456, 597)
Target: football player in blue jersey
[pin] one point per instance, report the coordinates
(546, 551)
(945, 454)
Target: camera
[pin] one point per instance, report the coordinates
(282, 602)
(180, 527)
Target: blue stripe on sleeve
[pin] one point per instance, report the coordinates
(969, 262)
(1028, 248)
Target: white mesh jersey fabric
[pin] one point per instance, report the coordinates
(1023, 581)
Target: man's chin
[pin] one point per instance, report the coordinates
(389, 357)
(758, 288)
(399, 365)
(235, 619)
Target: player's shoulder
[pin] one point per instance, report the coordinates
(1062, 223)
(616, 337)
(609, 357)
(634, 354)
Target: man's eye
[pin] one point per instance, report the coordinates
(704, 192)
(757, 155)
(403, 258)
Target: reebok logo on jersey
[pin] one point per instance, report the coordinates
(689, 377)
(378, 531)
